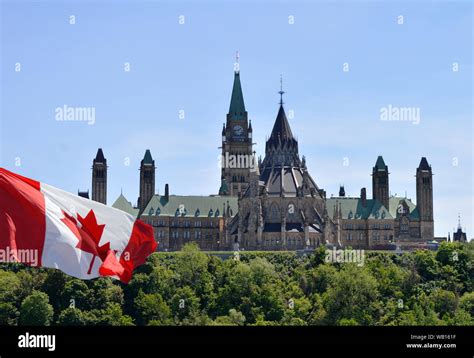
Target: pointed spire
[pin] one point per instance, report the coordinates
(99, 158)
(281, 129)
(459, 221)
(147, 159)
(380, 164)
(223, 129)
(237, 105)
(424, 164)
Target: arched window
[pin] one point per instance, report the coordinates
(275, 212)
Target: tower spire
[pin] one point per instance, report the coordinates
(281, 92)
(237, 64)
(237, 106)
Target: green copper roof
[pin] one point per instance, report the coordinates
(224, 189)
(190, 206)
(237, 106)
(352, 208)
(380, 164)
(394, 203)
(147, 159)
(123, 204)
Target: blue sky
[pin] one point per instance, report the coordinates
(189, 67)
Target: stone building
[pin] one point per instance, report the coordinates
(177, 219)
(99, 178)
(237, 158)
(459, 235)
(275, 204)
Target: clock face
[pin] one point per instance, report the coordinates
(238, 131)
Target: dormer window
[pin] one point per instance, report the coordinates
(176, 212)
(350, 215)
(383, 214)
(158, 211)
(211, 212)
(150, 213)
(197, 213)
(217, 213)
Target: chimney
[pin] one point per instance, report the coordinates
(167, 192)
(363, 197)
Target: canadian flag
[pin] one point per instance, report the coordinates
(43, 226)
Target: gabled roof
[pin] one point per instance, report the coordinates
(123, 204)
(394, 202)
(190, 206)
(237, 106)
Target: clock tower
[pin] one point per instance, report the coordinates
(238, 159)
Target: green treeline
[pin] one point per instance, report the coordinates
(259, 288)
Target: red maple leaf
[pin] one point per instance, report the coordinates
(88, 234)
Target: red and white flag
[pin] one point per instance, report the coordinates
(43, 226)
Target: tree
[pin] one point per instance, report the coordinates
(426, 264)
(152, 309)
(234, 318)
(72, 317)
(466, 302)
(351, 295)
(35, 310)
(53, 286)
(185, 304)
(76, 293)
(445, 302)
(112, 315)
(102, 292)
(8, 314)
